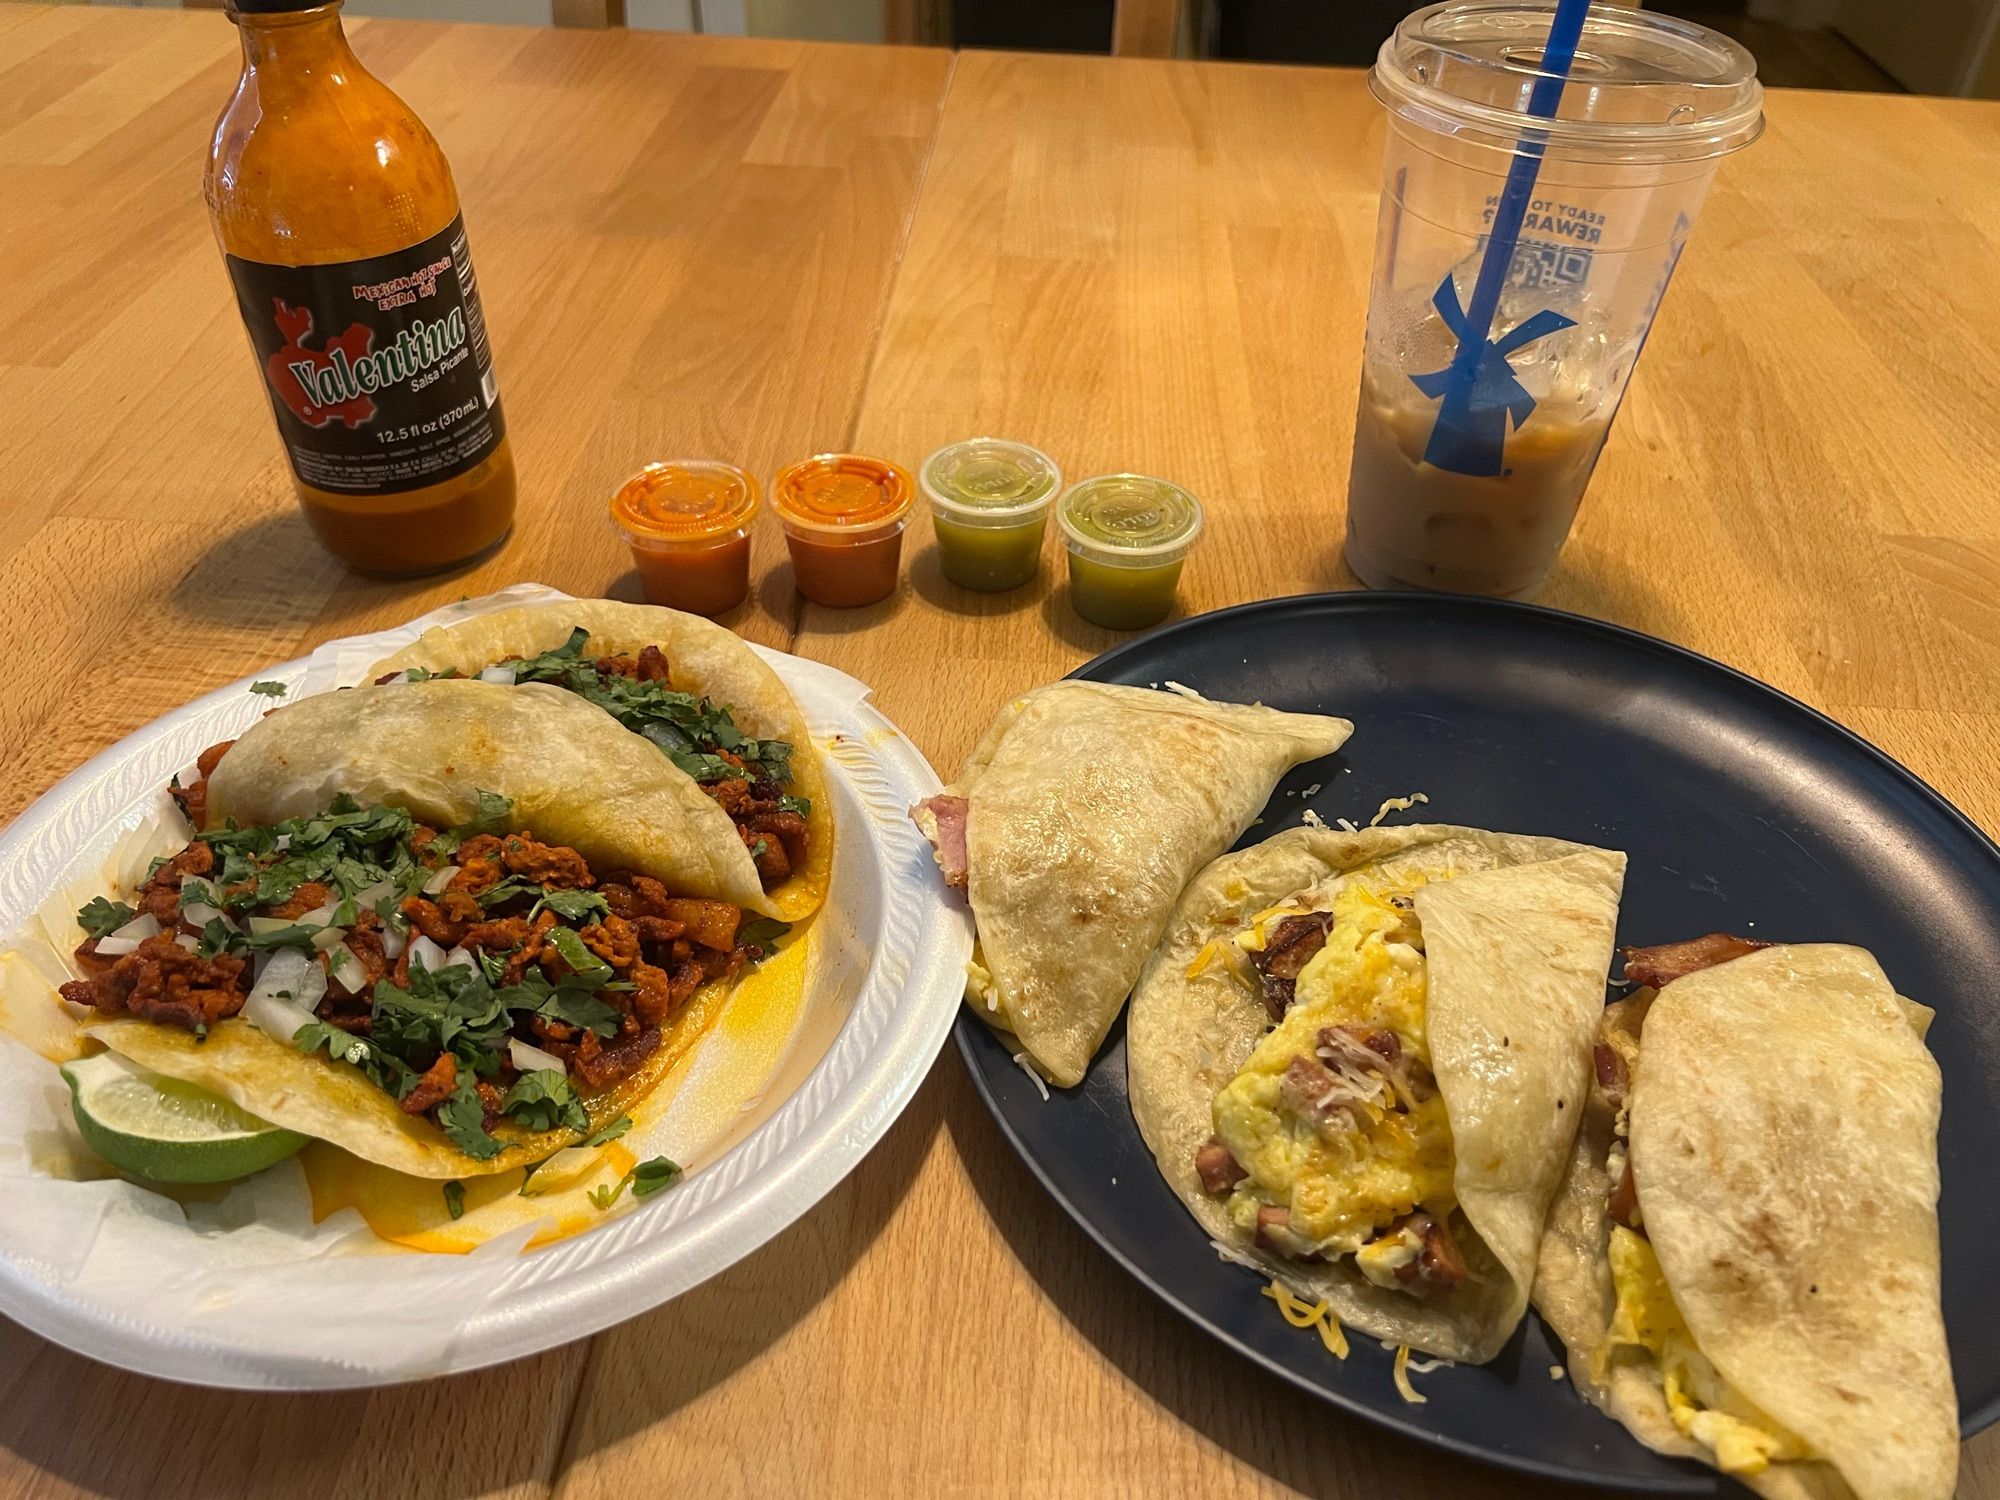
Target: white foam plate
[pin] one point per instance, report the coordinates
(250, 1294)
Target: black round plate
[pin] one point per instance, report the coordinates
(1741, 809)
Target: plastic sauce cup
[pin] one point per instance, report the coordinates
(1128, 536)
(844, 516)
(990, 504)
(688, 524)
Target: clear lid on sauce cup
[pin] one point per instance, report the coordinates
(843, 497)
(685, 502)
(987, 481)
(1129, 520)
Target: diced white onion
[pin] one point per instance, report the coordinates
(402, 676)
(281, 843)
(394, 940)
(444, 877)
(200, 913)
(261, 925)
(460, 956)
(425, 954)
(329, 938)
(128, 938)
(532, 1059)
(276, 1018)
(319, 916)
(369, 899)
(501, 673)
(344, 966)
(187, 940)
(283, 998)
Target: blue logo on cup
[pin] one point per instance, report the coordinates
(1470, 435)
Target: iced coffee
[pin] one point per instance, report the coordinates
(1411, 524)
(1525, 241)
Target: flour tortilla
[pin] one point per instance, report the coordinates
(1783, 1132)
(1091, 805)
(1518, 934)
(704, 658)
(574, 775)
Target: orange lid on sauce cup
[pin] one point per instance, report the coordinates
(843, 496)
(844, 516)
(688, 525)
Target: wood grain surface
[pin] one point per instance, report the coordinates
(755, 250)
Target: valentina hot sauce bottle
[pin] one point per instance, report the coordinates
(341, 228)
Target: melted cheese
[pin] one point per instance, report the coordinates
(1702, 1404)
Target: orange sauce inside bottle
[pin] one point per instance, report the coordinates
(315, 162)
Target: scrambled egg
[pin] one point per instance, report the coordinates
(1342, 1182)
(1703, 1405)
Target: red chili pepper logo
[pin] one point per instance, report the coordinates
(293, 360)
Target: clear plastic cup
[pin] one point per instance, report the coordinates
(1468, 467)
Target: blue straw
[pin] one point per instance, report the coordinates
(1461, 440)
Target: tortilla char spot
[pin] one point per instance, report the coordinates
(1846, 1395)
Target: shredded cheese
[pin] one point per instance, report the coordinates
(1027, 1067)
(1202, 960)
(1403, 1387)
(1397, 804)
(1314, 1315)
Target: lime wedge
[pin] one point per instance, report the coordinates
(165, 1130)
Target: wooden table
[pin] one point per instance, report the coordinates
(759, 250)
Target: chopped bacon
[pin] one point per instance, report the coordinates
(942, 820)
(1438, 1265)
(1311, 1091)
(1217, 1167)
(1663, 963)
(1611, 1074)
(1288, 947)
(1275, 1232)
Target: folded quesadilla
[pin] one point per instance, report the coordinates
(695, 691)
(1359, 1059)
(450, 927)
(1743, 1261)
(1074, 825)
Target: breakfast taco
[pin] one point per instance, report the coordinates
(450, 927)
(693, 689)
(1073, 826)
(1743, 1260)
(1359, 1058)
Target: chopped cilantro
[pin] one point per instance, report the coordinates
(650, 1176)
(606, 1194)
(100, 918)
(270, 690)
(762, 933)
(462, 1117)
(579, 907)
(581, 960)
(454, 1199)
(543, 1100)
(800, 805)
(610, 1132)
(215, 938)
